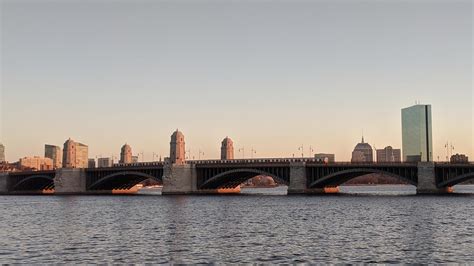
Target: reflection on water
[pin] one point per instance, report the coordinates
(239, 229)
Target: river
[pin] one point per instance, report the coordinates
(363, 224)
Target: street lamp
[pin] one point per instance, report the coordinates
(301, 148)
(243, 152)
(200, 152)
(253, 152)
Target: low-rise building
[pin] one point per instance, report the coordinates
(105, 162)
(91, 163)
(389, 155)
(459, 158)
(36, 163)
(325, 157)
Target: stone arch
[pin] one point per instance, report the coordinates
(340, 177)
(456, 180)
(109, 182)
(233, 178)
(38, 185)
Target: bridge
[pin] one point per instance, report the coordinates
(305, 175)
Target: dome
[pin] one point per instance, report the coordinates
(126, 147)
(363, 146)
(177, 136)
(227, 141)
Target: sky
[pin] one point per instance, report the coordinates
(271, 75)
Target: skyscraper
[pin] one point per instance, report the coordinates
(2, 153)
(177, 148)
(417, 141)
(227, 149)
(75, 154)
(126, 154)
(54, 153)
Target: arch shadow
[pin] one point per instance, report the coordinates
(341, 177)
(233, 178)
(129, 179)
(456, 180)
(35, 182)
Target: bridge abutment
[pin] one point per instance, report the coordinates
(427, 180)
(3, 183)
(179, 179)
(70, 181)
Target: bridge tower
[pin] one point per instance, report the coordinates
(126, 154)
(177, 148)
(227, 149)
(69, 154)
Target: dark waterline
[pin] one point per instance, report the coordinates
(366, 224)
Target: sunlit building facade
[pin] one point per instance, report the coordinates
(36, 163)
(75, 154)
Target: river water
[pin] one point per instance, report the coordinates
(385, 224)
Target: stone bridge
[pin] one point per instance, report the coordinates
(300, 175)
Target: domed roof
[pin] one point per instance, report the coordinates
(126, 147)
(177, 135)
(227, 141)
(363, 146)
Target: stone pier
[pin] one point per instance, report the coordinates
(3, 183)
(179, 179)
(70, 181)
(427, 180)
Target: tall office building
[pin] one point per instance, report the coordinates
(75, 154)
(126, 154)
(227, 149)
(389, 155)
(2, 153)
(417, 138)
(362, 153)
(54, 153)
(177, 148)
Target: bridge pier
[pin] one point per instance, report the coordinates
(179, 179)
(298, 182)
(3, 183)
(70, 181)
(427, 180)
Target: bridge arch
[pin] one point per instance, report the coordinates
(456, 180)
(341, 177)
(47, 182)
(235, 177)
(113, 181)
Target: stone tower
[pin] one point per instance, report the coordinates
(227, 149)
(69, 154)
(126, 154)
(177, 148)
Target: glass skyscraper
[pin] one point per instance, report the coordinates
(417, 138)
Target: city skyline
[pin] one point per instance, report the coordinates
(216, 70)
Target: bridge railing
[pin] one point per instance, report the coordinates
(290, 160)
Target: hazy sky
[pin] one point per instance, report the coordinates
(272, 75)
